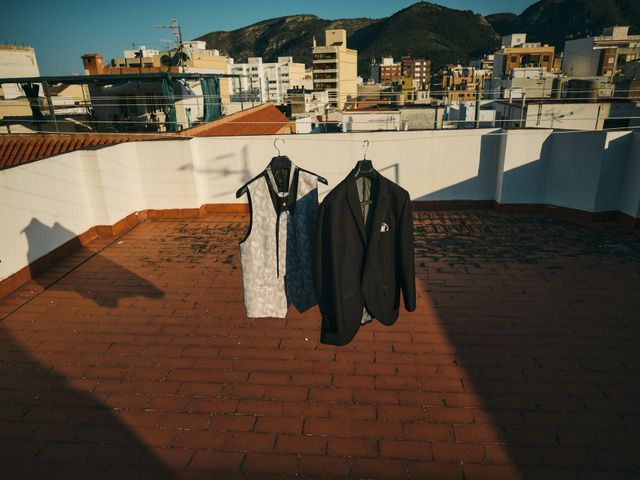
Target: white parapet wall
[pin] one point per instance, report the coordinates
(46, 203)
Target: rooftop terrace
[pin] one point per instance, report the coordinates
(133, 357)
(125, 351)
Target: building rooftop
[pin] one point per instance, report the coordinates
(17, 149)
(264, 119)
(133, 357)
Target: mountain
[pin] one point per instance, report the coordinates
(553, 21)
(501, 21)
(441, 34)
(279, 37)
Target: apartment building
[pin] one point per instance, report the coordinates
(604, 54)
(418, 70)
(16, 61)
(517, 52)
(390, 71)
(304, 101)
(335, 68)
(190, 57)
(520, 68)
(484, 63)
(458, 84)
(267, 82)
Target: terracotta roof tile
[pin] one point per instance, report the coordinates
(17, 149)
(264, 119)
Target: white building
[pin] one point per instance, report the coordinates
(304, 101)
(371, 120)
(143, 52)
(534, 82)
(600, 55)
(17, 61)
(335, 68)
(568, 114)
(268, 82)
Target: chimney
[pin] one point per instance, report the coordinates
(93, 63)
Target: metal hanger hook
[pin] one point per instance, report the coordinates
(365, 144)
(274, 144)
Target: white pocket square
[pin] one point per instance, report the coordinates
(384, 227)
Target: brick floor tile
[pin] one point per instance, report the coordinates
(405, 449)
(271, 463)
(216, 461)
(352, 447)
(521, 357)
(379, 468)
(301, 444)
(324, 466)
(279, 424)
(250, 441)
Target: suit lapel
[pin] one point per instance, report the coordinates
(354, 205)
(379, 209)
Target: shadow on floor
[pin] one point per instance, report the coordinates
(52, 429)
(543, 319)
(111, 284)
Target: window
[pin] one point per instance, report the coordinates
(616, 123)
(545, 58)
(513, 59)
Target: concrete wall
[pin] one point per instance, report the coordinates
(45, 203)
(580, 59)
(629, 198)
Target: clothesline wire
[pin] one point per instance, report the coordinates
(382, 93)
(334, 122)
(192, 101)
(318, 136)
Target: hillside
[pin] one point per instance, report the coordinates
(278, 37)
(552, 21)
(424, 29)
(440, 34)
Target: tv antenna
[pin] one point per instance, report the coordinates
(177, 33)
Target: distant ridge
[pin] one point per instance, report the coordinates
(553, 21)
(444, 35)
(424, 29)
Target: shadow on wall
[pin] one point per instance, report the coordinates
(541, 318)
(213, 174)
(523, 184)
(117, 284)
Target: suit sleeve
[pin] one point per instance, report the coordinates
(407, 266)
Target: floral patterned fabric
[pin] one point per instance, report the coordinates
(276, 272)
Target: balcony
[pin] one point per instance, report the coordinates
(126, 351)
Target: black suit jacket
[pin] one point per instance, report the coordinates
(353, 268)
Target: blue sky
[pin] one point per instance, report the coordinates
(64, 30)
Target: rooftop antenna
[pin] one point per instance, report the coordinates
(177, 33)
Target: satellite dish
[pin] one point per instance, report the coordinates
(165, 60)
(113, 62)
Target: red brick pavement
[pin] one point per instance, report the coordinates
(133, 359)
